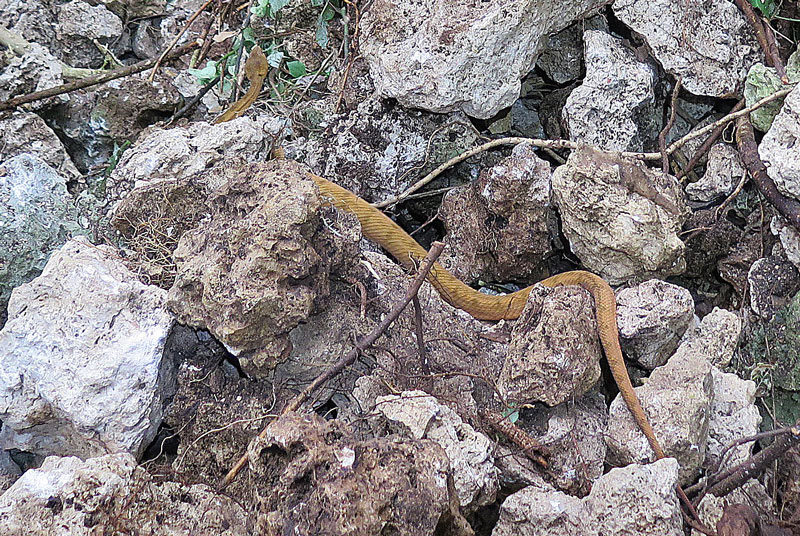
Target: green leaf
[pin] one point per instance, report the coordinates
(296, 68)
(322, 32)
(766, 7)
(206, 74)
(260, 9)
(275, 58)
(277, 5)
(512, 414)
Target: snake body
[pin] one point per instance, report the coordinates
(376, 226)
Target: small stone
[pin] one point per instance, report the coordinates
(724, 170)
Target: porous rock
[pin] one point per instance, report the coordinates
(26, 132)
(780, 147)
(614, 108)
(34, 20)
(620, 217)
(734, 416)
(252, 273)
(79, 26)
(562, 57)
(38, 215)
(36, 70)
(789, 238)
(752, 493)
(469, 451)
(498, 227)
(111, 494)
(314, 476)
(724, 170)
(377, 150)
(677, 399)
(709, 46)
(773, 281)
(554, 354)
(652, 317)
(443, 56)
(638, 499)
(83, 370)
(715, 337)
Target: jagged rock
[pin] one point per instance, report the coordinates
(716, 337)
(443, 56)
(111, 494)
(469, 451)
(614, 109)
(26, 132)
(79, 26)
(313, 476)
(554, 354)
(724, 170)
(253, 273)
(712, 61)
(34, 20)
(734, 416)
(773, 282)
(752, 493)
(620, 217)
(82, 352)
(677, 399)
(562, 58)
(38, 216)
(780, 147)
(9, 471)
(652, 317)
(378, 150)
(789, 237)
(36, 70)
(638, 499)
(498, 227)
(763, 81)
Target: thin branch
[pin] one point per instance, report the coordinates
(350, 358)
(92, 80)
(662, 136)
(177, 38)
(706, 146)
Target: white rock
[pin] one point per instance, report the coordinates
(752, 493)
(724, 170)
(780, 147)
(789, 237)
(469, 451)
(80, 25)
(82, 371)
(638, 499)
(709, 45)
(614, 108)
(36, 70)
(652, 317)
(445, 56)
(734, 415)
(715, 337)
(26, 132)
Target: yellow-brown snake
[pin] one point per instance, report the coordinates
(377, 227)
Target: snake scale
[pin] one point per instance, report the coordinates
(376, 226)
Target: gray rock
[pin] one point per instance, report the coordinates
(652, 317)
(710, 46)
(444, 57)
(70, 497)
(469, 452)
(9, 471)
(34, 20)
(763, 81)
(724, 170)
(638, 499)
(82, 357)
(677, 399)
(620, 217)
(752, 493)
(499, 227)
(36, 70)
(780, 147)
(562, 58)
(79, 26)
(26, 132)
(37, 215)
(614, 109)
(789, 237)
(773, 282)
(734, 416)
(554, 354)
(715, 337)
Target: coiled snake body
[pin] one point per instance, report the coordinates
(377, 227)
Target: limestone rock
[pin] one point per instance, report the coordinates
(82, 352)
(710, 46)
(752, 493)
(652, 317)
(638, 499)
(26, 132)
(562, 58)
(614, 109)
(789, 237)
(554, 354)
(724, 170)
(620, 217)
(498, 227)
(79, 25)
(773, 282)
(443, 56)
(716, 337)
(70, 497)
(734, 416)
(38, 215)
(36, 70)
(469, 451)
(780, 147)
(315, 477)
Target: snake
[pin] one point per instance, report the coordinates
(379, 228)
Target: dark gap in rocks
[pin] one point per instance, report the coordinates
(165, 444)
